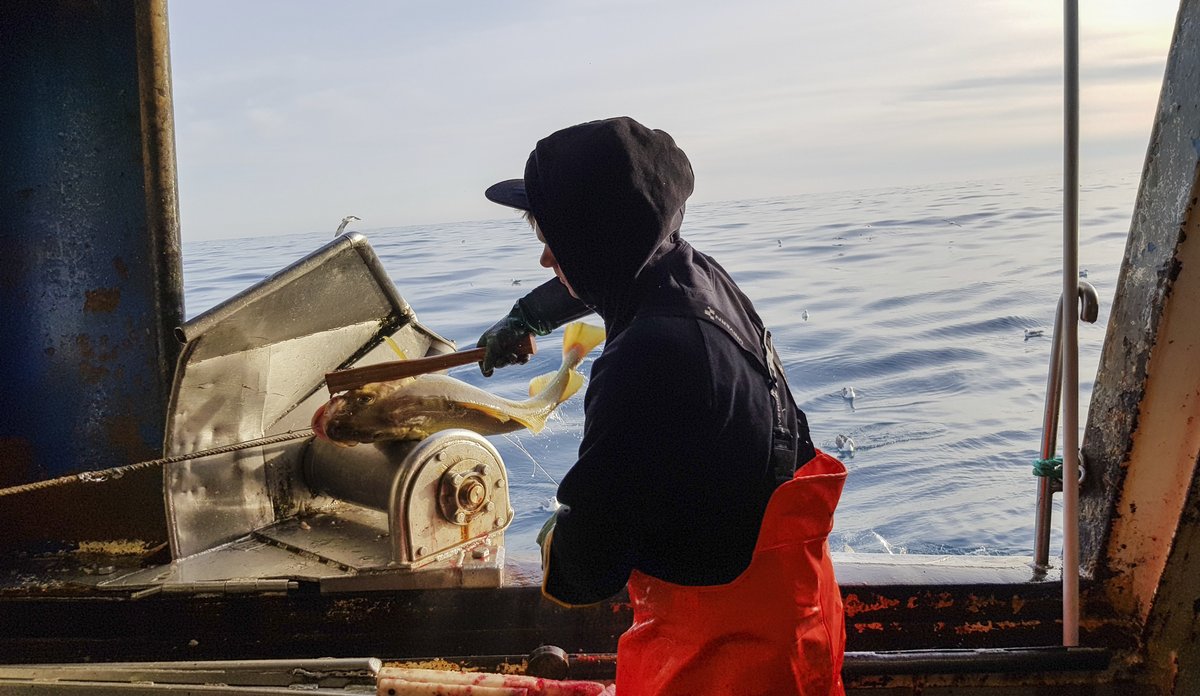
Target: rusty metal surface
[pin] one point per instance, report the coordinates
(1173, 626)
(1031, 672)
(976, 607)
(962, 614)
(129, 508)
(1141, 511)
(306, 675)
(1165, 201)
(91, 286)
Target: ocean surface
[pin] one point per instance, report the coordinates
(934, 303)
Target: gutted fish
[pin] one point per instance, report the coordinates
(417, 407)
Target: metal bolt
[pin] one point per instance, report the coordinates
(481, 552)
(500, 483)
(440, 456)
(491, 505)
(483, 469)
(421, 550)
(474, 494)
(460, 517)
(458, 480)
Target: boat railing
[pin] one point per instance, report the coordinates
(1089, 310)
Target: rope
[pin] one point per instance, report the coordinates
(1049, 467)
(118, 472)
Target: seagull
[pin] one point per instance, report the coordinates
(844, 444)
(345, 221)
(848, 393)
(804, 315)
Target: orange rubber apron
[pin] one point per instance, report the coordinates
(777, 629)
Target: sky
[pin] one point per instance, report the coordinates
(291, 114)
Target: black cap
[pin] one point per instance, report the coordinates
(510, 193)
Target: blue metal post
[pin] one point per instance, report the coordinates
(90, 273)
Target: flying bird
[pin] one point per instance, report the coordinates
(345, 221)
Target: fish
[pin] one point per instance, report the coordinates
(416, 407)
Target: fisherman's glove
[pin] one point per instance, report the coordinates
(543, 310)
(547, 527)
(543, 538)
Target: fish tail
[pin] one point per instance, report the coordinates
(537, 421)
(537, 384)
(574, 382)
(579, 339)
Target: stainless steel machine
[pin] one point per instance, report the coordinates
(289, 509)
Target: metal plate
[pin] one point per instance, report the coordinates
(354, 537)
(246, 558)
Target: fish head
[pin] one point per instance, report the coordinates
(353, 416)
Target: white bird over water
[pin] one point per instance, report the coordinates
(844, 444)
(848, 393)
(345, 221)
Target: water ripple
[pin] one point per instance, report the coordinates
(917, 297)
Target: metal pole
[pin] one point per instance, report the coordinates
(92, 285)
(1070, 326)
(1089, 311)
(1045, 484)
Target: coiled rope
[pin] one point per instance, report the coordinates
(1051, 468)
(118, 472)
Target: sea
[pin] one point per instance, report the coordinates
(933, 304)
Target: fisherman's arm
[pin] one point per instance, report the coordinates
(544, 309)
(614, 494)
(588, 546)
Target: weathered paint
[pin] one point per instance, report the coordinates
(91, 280)
(1142, 441)
(90, 290)
(1172, 630)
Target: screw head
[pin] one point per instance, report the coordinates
(473, 494)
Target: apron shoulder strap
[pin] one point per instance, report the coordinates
(791, 444)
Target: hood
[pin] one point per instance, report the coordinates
(606, 194)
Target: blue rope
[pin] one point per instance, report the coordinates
(1048, 467)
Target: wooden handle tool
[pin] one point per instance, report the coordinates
(354, 377)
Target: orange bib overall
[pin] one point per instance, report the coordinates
(776, 630)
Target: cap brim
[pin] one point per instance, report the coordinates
(510, 193)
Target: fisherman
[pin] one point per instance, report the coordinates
(697, 486)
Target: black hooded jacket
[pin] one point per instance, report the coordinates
(675, 468)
